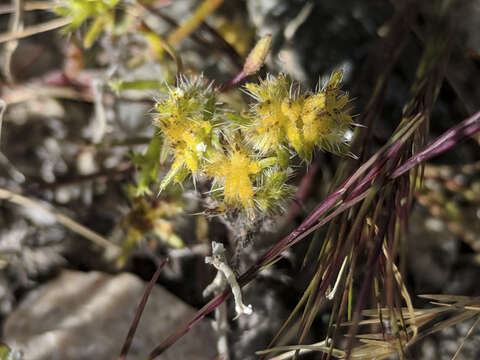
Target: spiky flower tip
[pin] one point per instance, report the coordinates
(273, 191)
(269, 121)
(325, 117)
(282, 116)
(187, 117)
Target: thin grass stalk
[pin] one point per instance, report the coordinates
(341, 311)
(470, 331)
(205, 9)
(311, 248)
(225, 48)
(387, 52)
(315, 282)
(404, 292)
(297, 308)
(372, 264)
(377, 293)
(141, 306)
(446, 141)
(35, 29)
(340, 254)
(64, 220)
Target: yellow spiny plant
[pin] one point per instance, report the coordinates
(284, 117)
(149, 217)
(247, 158)
(188, 120)
(99, 11)
(234, 171)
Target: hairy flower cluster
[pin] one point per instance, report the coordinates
(247, 157)
(100, 15)
(284, 117)
(81, 10)
(189, 121)
(149, 217)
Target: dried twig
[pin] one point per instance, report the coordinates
(62, 219)
(3, 107)
(28, 6)
(36, 29)
(205, 9)
(133, 327)
(99, 123)
(16, 25)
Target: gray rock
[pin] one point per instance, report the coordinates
(312, 38)
(87, 315)
(432, 253)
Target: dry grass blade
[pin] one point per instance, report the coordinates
(375, 350)
(3, 107)
(133, 327)
(35, 29)
(205, 9)
(22, 93)
(475, 324)
(449, 298)
(404, 292)
(62, 219)
(381, 345)
(421, 316)
(300, 349)
(449, 322)
(28, 6)
(16, 24)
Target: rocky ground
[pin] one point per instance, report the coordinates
(63, 296)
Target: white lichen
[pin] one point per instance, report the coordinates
(225, 274)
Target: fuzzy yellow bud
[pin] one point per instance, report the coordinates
(257, 56)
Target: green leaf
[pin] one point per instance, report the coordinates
(149, 163)
(118, 85)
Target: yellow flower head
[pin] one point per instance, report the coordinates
(247, 157)
(326, 117)
(81, 10)
(186, 118)
(283, 117)
(235, 170)
(269, 122)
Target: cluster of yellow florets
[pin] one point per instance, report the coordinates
(188, 119)
(247, 158)
(99, 13)
(284, 117)
(81, 10)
